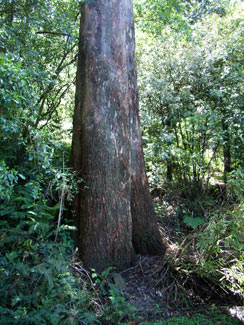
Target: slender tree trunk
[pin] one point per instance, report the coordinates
(226, 148)
(11, 12)
(169, 171)
(105, 120)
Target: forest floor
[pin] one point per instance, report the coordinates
(160, 298)
(161, 295)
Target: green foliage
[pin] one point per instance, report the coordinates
(236, 185)
(217, 240)
(17, 97)
(156, 16)
(8, 177)
(221, 248)
(35, 279)
(153, 15)
(118, 309)
(36, 283)
(218, 243)
(193, 222)
(191, 95)
(42, 37)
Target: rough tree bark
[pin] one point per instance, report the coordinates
(114, 204)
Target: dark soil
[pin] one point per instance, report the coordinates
(158, 290)
(159, 293)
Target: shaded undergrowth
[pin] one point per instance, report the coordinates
(42, 281)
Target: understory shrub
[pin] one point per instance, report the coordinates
(219, 242)
(36, 284)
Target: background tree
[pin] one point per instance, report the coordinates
(194, 86)
(191, 95)
(43, 37)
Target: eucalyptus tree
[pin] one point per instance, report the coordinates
(114, 212)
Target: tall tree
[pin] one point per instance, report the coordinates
(113, 211)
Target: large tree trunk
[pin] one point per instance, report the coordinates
(105, 121)
(145, 232)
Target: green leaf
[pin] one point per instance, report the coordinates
(21, 176)
(193, 222)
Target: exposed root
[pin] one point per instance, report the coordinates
(157, 288)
